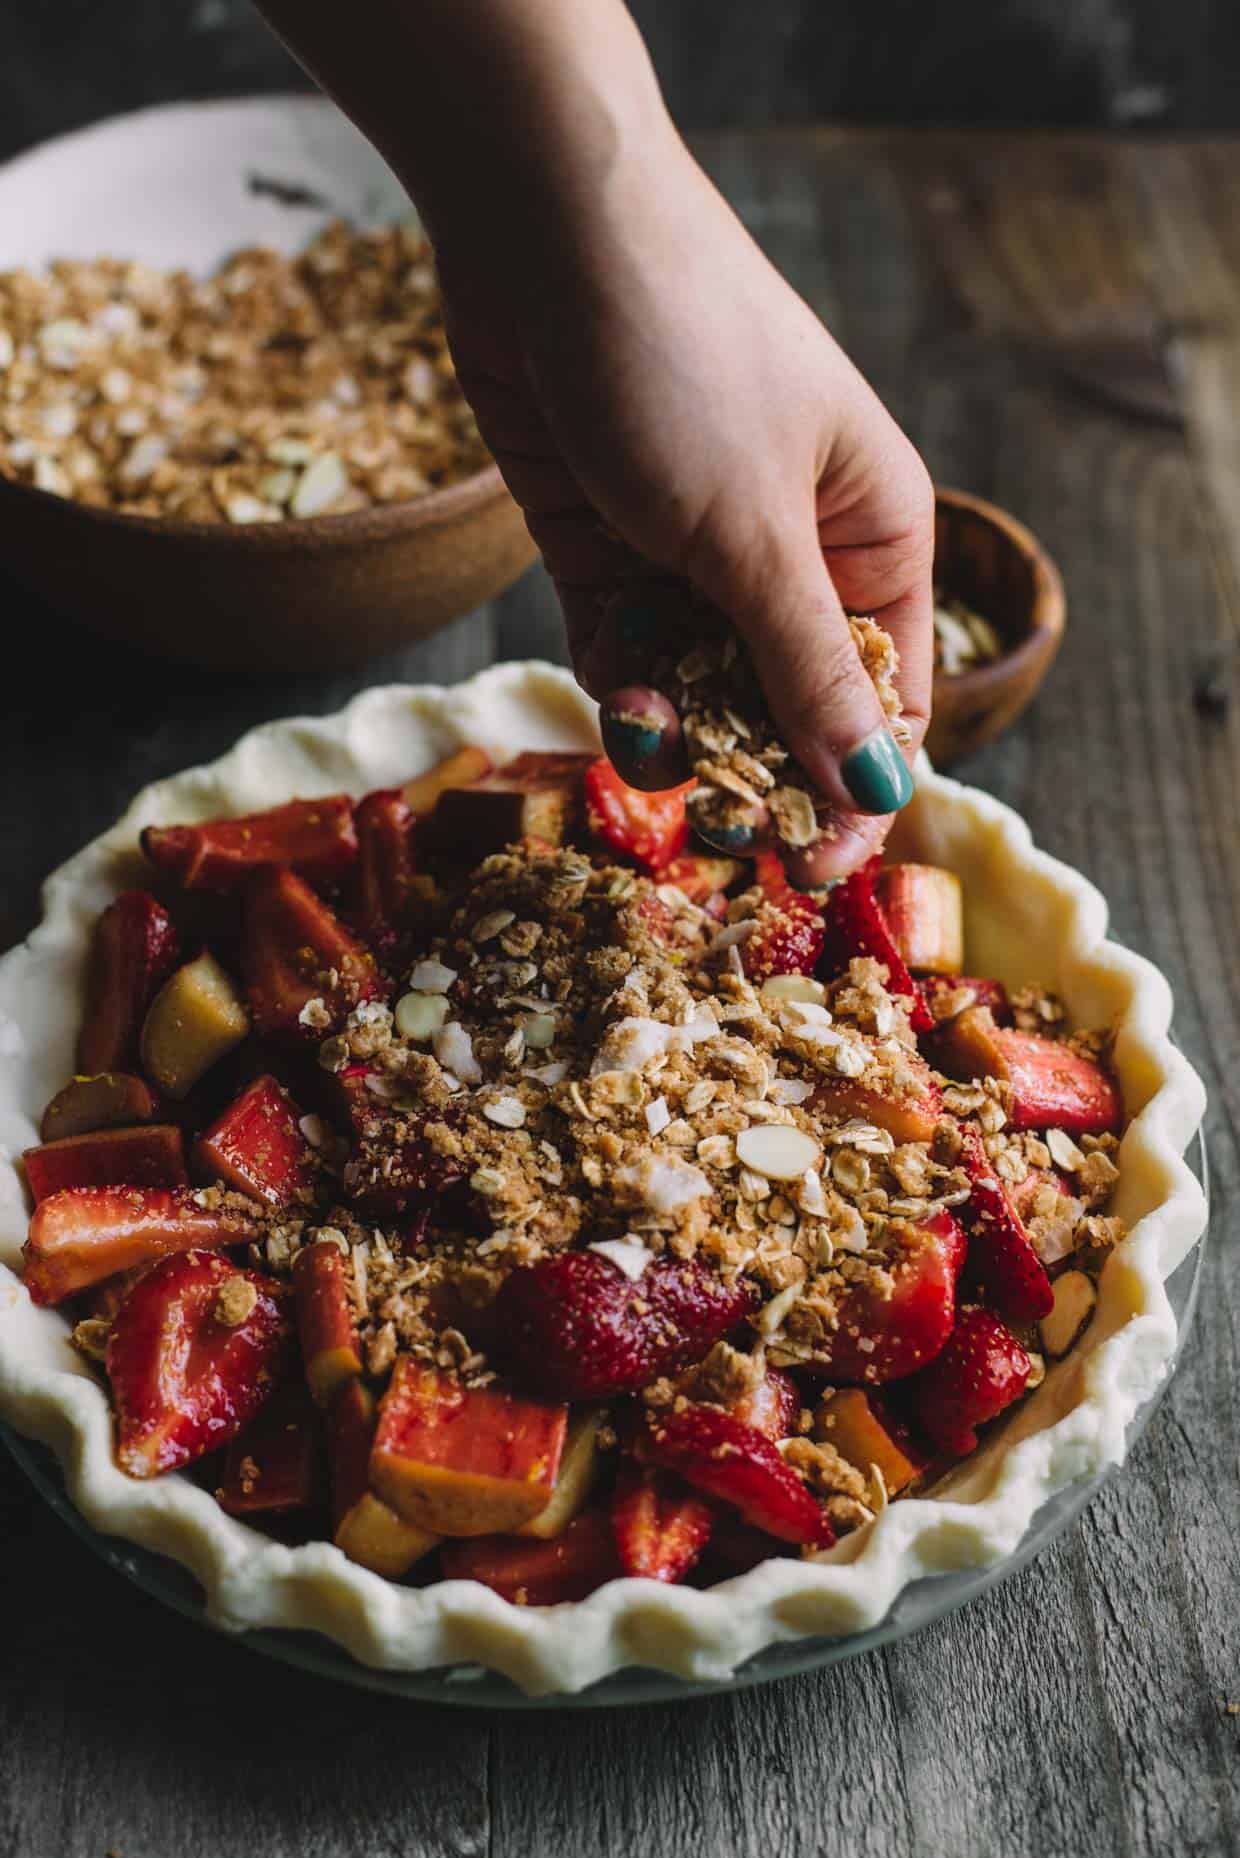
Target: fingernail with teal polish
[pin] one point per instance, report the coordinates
(877, 776)
(629, 739)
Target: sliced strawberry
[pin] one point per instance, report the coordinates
(257, 1146)
(855, 925)
(577, 1327)
(275, 1465)
(1004, 1267)
(945, 995)
(385, 1178)
(882, 1333)
(772, 1407)
(150, 1156)
(736, 1464)
(134, 948)
(113, 1100)
(194, 1352)
(981, 1370)
(295, 951)
(79, 1237)
(1050, 1085)
(661, 1527)
(315, 837)
(386, 869)
(533, 1573)
(648, 829)
(909, 1118)
(791, 933)
(703, 880)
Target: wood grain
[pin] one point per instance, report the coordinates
(1001, 291)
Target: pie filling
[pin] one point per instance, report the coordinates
(481, 1176)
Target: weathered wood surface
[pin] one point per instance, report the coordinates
(1052, 321)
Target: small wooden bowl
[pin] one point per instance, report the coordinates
(185, 186)
(994, 564)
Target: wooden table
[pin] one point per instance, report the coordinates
(1058, 325)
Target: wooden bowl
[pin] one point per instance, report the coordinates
(185, 186)
(994, 564)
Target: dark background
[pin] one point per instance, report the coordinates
(1167, 64)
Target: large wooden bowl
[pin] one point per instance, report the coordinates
(995, 565)
(187, 185)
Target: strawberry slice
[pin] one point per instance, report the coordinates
(703, 880)
(909, 1118)
(647, 829)
(384, 1178)
(1004, 1267)
(134, 947)
(855, 925)
(386, 868)
(533, 1573)
(113, 1100)
(881, 1333)
(257, 1146)
(772, 1407)
(196, 1349)
(790, 935)
(943, 991)
(1051, 1086)
(274, 1467)
(294, 951)
(315, 837)
(79, 1237)
(981, 1370)
(577, 1327)
(149, 1156)
(661, 1527)
(736, 1464)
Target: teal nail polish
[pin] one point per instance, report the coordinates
(625, 738)
(877, 776)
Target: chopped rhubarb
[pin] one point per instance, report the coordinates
(533, 1573)
(648, 830)
(863, 1433)
(458, 769)
(112, 1100)
(577, 1327)
(912, 1115)
(890, 1325)
(1004, 1266)
(739, 1465)
(149, 1156)
(195, 1350)
(1050, 1086)
(702, 879)
(979, 1373)
(79, 1237)
(387, 873)
(296, 951)
(856, 926)
(923, 907)
(272, 1468)
(463, 1460)
(195, 1019)
(501, 809)
(257, 1146)
(134, 947)
(579, 1467)
(661, 1526)
(772, 1406)
(330, 1348)
(315, 837)
(364, 1528)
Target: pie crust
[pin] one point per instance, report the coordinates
(1030, 919)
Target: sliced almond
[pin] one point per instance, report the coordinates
(777, 1150)
(1075, 1298)
(420, 1016)
(794, 987)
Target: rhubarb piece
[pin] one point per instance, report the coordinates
(463, 1460)
(459, 769)
(548, 764)
(911, 1117)
(531, 1573)
(257, 1146)
(790, 933)
(703, 880)
(329, 1342)
(578, 1471)
(577, 1327)
(1072, 1306)
(772, 1407)
(113, 1100)
(295, 951)
(890, 1325)
(364, 1528)
(979, 1372)
(853, 1422)
(856, 926)
(661, 1526)
(502, 808)
(79, 1237)
(195, 1350)
(948, 995)
(150, 1156)
(134, 947)
(1004, 1267)
(1050, 1085)
(923, 907)
(315, 837)
(272, 1468)
(386, 869)
(648, 830)
(195, 1018)
(739, 1465)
